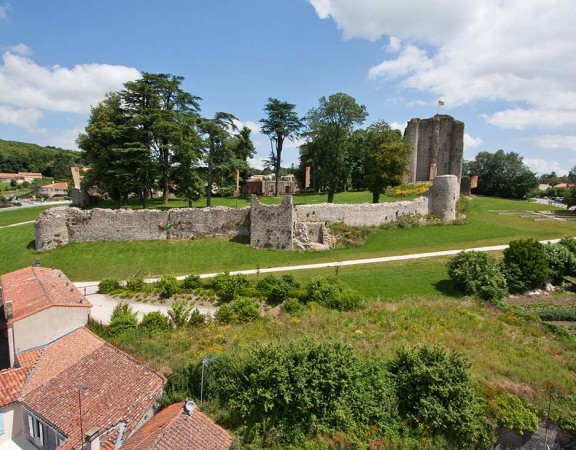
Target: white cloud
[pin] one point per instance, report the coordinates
(257, 163)
(254, 126)
(516, 51)
(522, 119)
(471, 141)
(4, 9)
(21, 49)
(23, 118)
(542, 166)
(25, 84)
(398, 126)
(556, 141)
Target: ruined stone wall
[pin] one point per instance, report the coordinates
(272, 226)
(282, 227)
(370, 214)
(60, 226)
(437, 147)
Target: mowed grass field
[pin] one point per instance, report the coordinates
(94, 261)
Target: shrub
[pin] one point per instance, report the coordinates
(292, 306)
(191, 282)
(333, 293)
(558, 314)
(525, 266)
(179, 313)
(435, 391)
(228, 287)
(196, 318)
(561, 261)
(239, 310)
(306, 387)
(155, 322)
(108, 285)
(478, 274)
(168, 285)
(135, 284)
(570, 243)
(512, 413)
(122, 319)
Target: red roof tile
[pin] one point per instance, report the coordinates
(12, 380)
(111, 386)
(56, 186)
(172, 428)
(34, 289)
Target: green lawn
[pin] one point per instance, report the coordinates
(93, 261)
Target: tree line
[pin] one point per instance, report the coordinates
(51, 162)
(151, 135)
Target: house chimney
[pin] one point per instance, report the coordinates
(92, 439)
(8, 311)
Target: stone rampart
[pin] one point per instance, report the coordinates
(282, 227)
(60, 226)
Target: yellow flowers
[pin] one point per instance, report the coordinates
(410, 190)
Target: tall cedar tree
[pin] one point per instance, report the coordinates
(330, 127)
(281, 123)
(216, 132)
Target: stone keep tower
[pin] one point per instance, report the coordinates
(437, 147)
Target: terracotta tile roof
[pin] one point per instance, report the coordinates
(80, 367)
(12, 380)
(56, 186)
(173, 429)
(34, 289)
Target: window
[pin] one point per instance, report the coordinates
(36, 429)
(1, 423)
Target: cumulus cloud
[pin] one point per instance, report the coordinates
(516, 51)
(398, 126)
(25, 84)
(556, 141)
(471, 141)
(542, 166)
(254, 126)
(20, 49)
(24, 118)
(4, 9)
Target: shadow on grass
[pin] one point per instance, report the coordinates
(445, 287)
(31, 245)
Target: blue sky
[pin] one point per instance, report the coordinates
(504, 67)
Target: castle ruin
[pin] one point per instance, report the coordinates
(437, 148)
(283, 227)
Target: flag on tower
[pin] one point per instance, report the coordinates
(440, 102)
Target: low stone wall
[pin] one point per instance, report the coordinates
(440, 200)
(282, 227)
(60, 226)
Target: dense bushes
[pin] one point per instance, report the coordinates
(435, 391)
(513, 413)
(239, 310)
(561, 261)
(478, 274)
(525, 265)
(108, 285)
(122, 319)
(281, 396)
(333, 293)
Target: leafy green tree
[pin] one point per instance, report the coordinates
(385, 156)
(479, 274)
(216, 132)
(436, 392)
(525, 265)
(502, 174)
(281, 123)
(133, 136)
(104, 145)
(330, 126)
